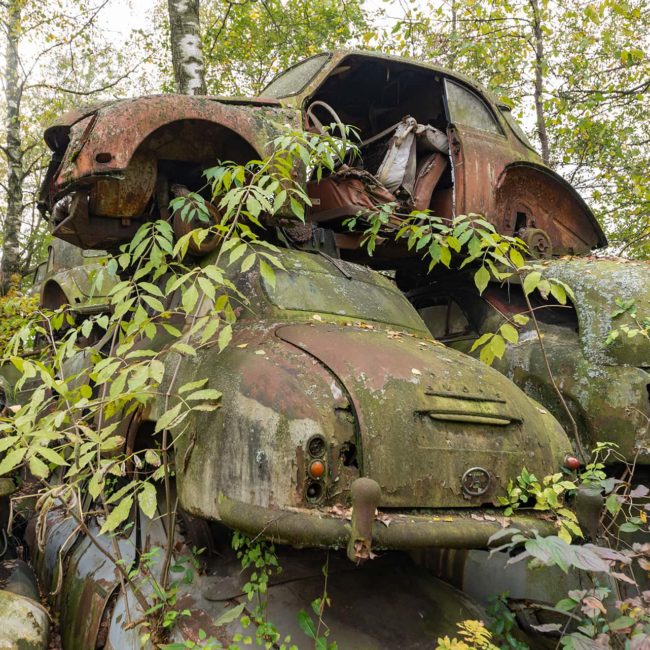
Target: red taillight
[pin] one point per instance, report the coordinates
(571, 462)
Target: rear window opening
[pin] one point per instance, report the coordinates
(510, 300)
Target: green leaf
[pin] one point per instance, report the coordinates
(151, 288)
(481, 279)
(297, 208)
(531, 281)
(453, 243)
(38, 468)
(147, 498)
(154, 303)
(192, 385)
(205, 394)
(612, 504)
(96, 484)
(268, 274)
(118, 515)
(509, 333)
(498, 346)
(170, 329)
(248, 262)
(237, 252)
(12, 460)
(621, 623)
(230, 615)
(516, 258)
(7, 442)
(184, 349)
(50, 455)
(521, 319)
(225, 336)
(306, 624)
(167, 417)
(566, 604)
(558, 292)
(481, 340)
(544, 288)
(86, 391)
(190, 297)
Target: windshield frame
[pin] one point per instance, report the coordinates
(326, 56)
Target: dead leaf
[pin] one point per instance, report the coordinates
(383, 518)
(340, 511)
(591, 602)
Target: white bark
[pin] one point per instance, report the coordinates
(187, 53)
(11, 256)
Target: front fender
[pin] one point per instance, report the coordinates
(550, 203)
(104, 142)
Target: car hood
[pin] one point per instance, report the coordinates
(436, 428)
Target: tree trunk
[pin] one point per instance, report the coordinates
(187, 52)
(11, 259)
(539, 81)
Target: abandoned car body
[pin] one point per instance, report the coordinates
(430, 139)
(606, 386)
(334, 395)
(331, 387)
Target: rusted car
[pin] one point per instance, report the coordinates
(429, 139)
(343, 425)
(68, 278)
(607, 386)
(334, 393)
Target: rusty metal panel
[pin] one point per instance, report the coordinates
(90, 580)
(106, 142)
(550, 203)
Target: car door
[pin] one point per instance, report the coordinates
(479, 149)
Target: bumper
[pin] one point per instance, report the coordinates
(318, 529)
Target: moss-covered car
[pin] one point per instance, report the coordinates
(429, 138)
(69, 278)
(334, 394)
(607, 385)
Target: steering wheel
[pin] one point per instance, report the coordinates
(333, 114)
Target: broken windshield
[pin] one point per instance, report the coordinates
(293, 80)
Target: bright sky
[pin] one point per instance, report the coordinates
(120, 16)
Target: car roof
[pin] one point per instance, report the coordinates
(341, 53)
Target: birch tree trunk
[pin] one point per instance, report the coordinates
(11, 258)
(187, 52)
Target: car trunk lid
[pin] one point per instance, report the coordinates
(435, 427)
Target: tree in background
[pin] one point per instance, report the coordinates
(56, 58)
(187, 52)
(576, 70)
(247, 42)
(12, 150)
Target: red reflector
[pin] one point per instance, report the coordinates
(571, 462)
(317, 469)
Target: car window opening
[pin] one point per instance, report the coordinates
(404, 117)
